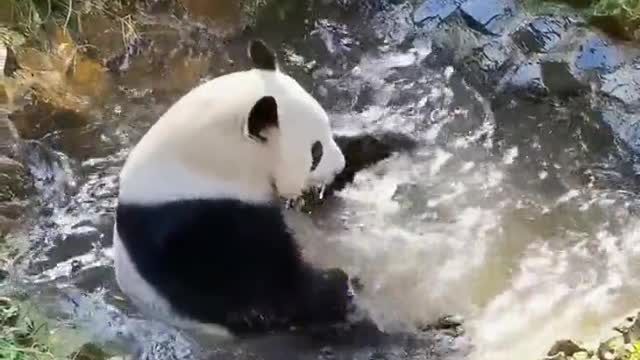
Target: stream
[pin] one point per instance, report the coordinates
(520, 216)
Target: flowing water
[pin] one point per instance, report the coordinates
(520, 217)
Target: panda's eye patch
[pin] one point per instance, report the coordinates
(316, 154)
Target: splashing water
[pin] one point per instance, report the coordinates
(465, 224)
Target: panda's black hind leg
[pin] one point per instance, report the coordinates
(326, 298)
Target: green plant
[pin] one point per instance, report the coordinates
(635, 353)
(619, 18)
(20, 336)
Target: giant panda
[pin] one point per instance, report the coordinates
(200, 239)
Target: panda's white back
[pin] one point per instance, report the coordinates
(196, 149)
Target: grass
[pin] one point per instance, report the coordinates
(21, 338)
(619, 18)
(29, 16)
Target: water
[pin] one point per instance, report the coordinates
(521, 218)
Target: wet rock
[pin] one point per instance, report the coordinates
(487, 64)
(90, 351)
(541, 34)
(567, 347)
(51, 173)
(94, 278)
(597, 53)
(14, 180)
(450, 321)
(626, 125)
(630, 329)
(9, 138)
(624, 86)
(36, 120)
(432, 12)
(81, 241)
(10, 65)
(525, 80)
(105, 34)
(560, 80)
(491, 17)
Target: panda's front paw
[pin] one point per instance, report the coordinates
(356, 284)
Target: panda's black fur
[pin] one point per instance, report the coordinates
(254, 283)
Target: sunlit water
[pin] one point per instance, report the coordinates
(450, 228)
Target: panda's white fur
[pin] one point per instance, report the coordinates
(197, 192)
(200, 146)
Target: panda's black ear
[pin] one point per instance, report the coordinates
(263, 115)
(261, 56)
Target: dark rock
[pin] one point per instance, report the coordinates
(597, 53)
(76, 265)
(560, 80)
(568, 347)
(50, 171)
(37, 120)
(4, 274)
(485, 66)
(581, 4)
(541, 34)
(10, 63)
(90, 351)
(432, 12)
(489, 16)
(12, 209)
(454, 41)
(75, 244)
(93, 278)
(9, 138)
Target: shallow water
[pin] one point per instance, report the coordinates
(523, 218)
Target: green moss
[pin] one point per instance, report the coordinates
(619, 18)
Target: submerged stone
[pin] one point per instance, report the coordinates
(567, 347)
(489, 16)
(14, 180)
(625, 125)
(541, 34)
(560, 80)
(525, 80)
(432, 12)
(485, 66)
(624, 86)
(600, 54)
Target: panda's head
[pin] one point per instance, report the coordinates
(291, 125)
(241, 135)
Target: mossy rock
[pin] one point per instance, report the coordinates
(90, 351)
(14, 180)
